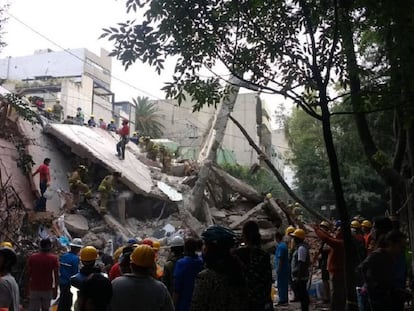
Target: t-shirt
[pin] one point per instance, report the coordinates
(9, 293)
(131, 293)
(282, 254)
(185, 273)
(41, 267)
(43, 171)
(124, 131)
(69, 266)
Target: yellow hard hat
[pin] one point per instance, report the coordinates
(289, 230)
(134, 133)
(92, 116)
(112, 121)
(268, 196)
(355, 224)
(88, 253)
(366, 224)
(49, 109)
(156, 245)
(118, 253)
(325, 224)
(143, 256)
(299, 233)
(100, 119)
(6, 244)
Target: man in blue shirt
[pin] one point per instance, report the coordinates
(69, 266)
(185, 273)
(282, 269)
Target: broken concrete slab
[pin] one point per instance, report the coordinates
(99, 146)
(76, 224)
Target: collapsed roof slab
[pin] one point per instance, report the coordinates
(99, 146)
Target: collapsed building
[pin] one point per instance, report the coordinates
(154, 203)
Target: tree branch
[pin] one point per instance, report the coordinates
(279, 177)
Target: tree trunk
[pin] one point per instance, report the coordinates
(389, 174)
(209, 148)
(276, 172)
(350, 260)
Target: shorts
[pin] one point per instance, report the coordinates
(40, 300)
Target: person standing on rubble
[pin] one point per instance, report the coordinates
(57, 111)
(176, 253)
(91, 121)
(102, 124)
(44, 176)
(42, 269)
(300, 267)
(106, 188)
(69, 266)
(9, 290)
(78, 186)
(80, 117)
(256, 268)
(123, 132)
(221, 285)
(140, 288)
(111, 126)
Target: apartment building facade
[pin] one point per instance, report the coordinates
(75, 77)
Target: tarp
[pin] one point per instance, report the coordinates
(99, 146)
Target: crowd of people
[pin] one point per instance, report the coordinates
(218, 272)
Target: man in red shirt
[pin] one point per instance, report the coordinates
(43, 273)
(124, 133)
(44, 175)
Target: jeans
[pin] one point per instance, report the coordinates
(302, 292)
(282, 287)
(120, 147)
(65, 298)
(43, 187)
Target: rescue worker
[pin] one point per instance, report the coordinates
(48, 113)
(69, 266)
(358, 240)
(111, 126)
(282, 269)
(159, 271)
(176, 253)
(335, 265)
(106, 188)
(57, 111)
(135, 138)
(88, 257)
(102, 124)
(366, 226)
(323, 253)
(139, 287)
(77, 185)
(300, 267)
(91, 121)
(290, 244)
(80, 117)
(165, 159)
(123, 139)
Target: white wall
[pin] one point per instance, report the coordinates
(55, 64)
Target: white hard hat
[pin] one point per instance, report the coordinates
(177, 241)
(76, 242)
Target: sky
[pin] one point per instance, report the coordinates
(62, 24)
